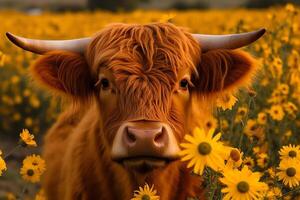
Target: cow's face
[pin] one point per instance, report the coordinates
(146, 81)
(143, 82)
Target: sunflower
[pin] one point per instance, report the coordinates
(2, 164)
(289, 172)
(242, 184)
(283, 88)
(145, 193)
(248, 161)
(276, 112)
(32, 169)
(36, 161)
(290, 152)
(262, 118)
(241, 113)
(290, 108)
(271, 172)
(262, 160)
(234, 160)
(30, 173)
(253, 130)
(203, 150)
(224, 124)
(10, 196)
(226, 101)
(273, 193)
(27, 139)
(40, 195)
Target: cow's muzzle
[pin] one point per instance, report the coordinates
(144, 145)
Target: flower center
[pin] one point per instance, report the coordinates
(235, 155)
(292, 154)
(243, 187)
(208, 124)
(204, 148)
(291, 171)
(30, 172)
(145, 197)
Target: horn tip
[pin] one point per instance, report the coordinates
(262, 31)
(11, 37)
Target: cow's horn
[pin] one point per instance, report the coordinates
(231, 41)
(43, 46)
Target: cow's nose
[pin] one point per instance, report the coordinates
(145, 141)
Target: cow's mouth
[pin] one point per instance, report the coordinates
(144, 164)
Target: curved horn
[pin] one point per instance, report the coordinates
(231, 41)
(43, 46)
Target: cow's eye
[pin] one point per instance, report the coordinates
(184, 84)
(104, 83)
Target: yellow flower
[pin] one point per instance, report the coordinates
(167, 17)
(30, 173)
(290, 7)
(244, 184)
(209, 123)
(256, 150)
(276, 112)
(283, 89)
(252, 129)
(224, 124)
(271, 172)
(28, 121)
(289, 172)
(36, 161)
(203, 150)
(276, 67)
(241, 113)
(290, 108)
(226, 101)
(262, 160)
(234, 160)
(290, 152)
(10, 196)
(2, 164)
(32, 169)
(262, 118)
(248, 161)
(274, 193)
(40, 195)
(27, 138)
(145, 193)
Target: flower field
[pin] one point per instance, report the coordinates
(251, 149)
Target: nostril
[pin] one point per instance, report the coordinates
(160, 138)
(130, 137)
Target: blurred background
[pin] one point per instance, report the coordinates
(128, 5)
(24, 105)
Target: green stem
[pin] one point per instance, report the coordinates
(11, 151)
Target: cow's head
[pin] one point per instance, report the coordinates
(144, 79)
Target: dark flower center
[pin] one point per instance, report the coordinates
(291, 171)
(292, 154)
(208, 124)
(145, 197)
(235, 155)
(30, 172)
(242, 112)
(243, 187)
(204, 148)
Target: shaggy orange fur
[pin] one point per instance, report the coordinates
(144, 64)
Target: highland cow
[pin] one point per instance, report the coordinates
(134, 92)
